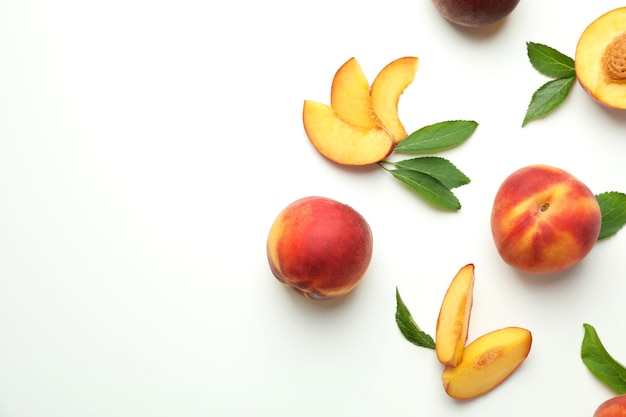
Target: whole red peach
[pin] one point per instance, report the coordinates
(319, 247)
(544, 220)
(613, 407)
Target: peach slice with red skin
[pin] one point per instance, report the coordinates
(487, 362)
(342, 142)
(350, 96)
(600, 59)
(454, 316)
(385, 92)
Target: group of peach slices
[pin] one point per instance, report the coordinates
(477, 368)
(361, 125)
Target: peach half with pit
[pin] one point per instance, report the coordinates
(544, 220)
(600, 59)
(319, 247)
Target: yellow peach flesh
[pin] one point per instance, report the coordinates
(341, 142)
(350, 96)
(600, 59)
(487, 362)
(454, 316)
(388, 86)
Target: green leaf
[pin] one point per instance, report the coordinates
(409, 329)
(613, 208)
(549, 61)
(437, 137)
(600, 363)
(430, 188)
(548, 97)
(440, 168)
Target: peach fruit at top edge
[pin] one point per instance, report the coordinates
(475, 13)
(600, 59)
(319, 247)
(613, 407)
(350, 96)
(544, 220)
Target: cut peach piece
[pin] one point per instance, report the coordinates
(487, 362)
(350, 96)
(454, 316)
(600, 59)
(386, 90)
(342, 142)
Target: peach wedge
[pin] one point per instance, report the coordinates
(487, 362)
(600, 59)
(341, 142)
(350, 96)
(454, 316)
(386, 90)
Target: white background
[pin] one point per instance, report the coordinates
(147, 146)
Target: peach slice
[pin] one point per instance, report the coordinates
(342, 142)
(350, 96)
(386, 90)
(600, 59)
(487, 362)
(454, 316)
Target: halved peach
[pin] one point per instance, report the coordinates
(386, 90)
(342, 142)
(350, 96)
(487, 362)
(600, 59)
(454, 316)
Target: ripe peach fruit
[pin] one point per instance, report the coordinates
(319, 247)
(475, 13)
(600, 59)
(613, 407)
(544, 219)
